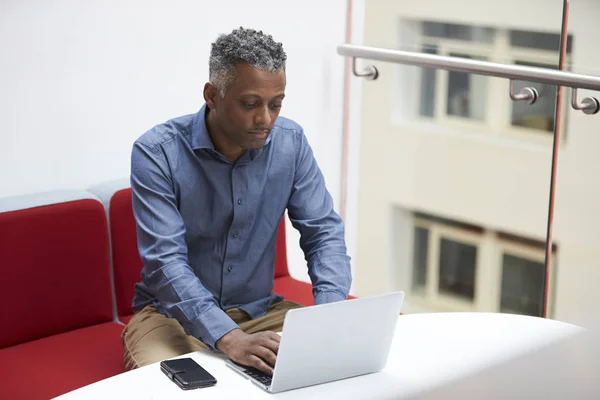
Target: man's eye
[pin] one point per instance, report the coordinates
(275, 105)
(250, 105)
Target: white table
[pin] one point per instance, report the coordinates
(428, 350)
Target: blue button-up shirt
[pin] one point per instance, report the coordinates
(207, 227)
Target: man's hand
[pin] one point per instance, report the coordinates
(258, 350)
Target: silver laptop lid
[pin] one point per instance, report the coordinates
(335, 341)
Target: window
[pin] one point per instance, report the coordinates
(451, 97)
(522, 286)
(463, 267)
(451, 94)
(540, 115)
(459, 32)
(457, 268)
(428, 83)
(420, 251)
(466, 93)
(538, 40)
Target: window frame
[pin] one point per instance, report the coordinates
(488, 268)
(431, 296)
(497, 99)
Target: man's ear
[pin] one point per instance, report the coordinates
(210, 95)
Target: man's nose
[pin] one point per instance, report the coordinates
(263, 117)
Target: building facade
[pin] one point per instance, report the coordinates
(454, 175)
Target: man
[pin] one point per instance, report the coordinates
(209, 190)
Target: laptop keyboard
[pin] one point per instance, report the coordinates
(260, 376)
(257, 375)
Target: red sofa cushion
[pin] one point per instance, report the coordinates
(54, 263)
(281, 268)
(294, 290)
(51, 366)
(127, 264)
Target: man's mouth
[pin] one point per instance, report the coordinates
(260, 133)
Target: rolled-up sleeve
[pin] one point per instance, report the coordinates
(162, 247)
(311, 211)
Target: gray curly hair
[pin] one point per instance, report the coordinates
(243, 46)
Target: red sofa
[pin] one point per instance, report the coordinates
(57, 330)
(68, 263)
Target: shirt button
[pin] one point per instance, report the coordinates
(229, 268)
(236, 234)
(240, 201)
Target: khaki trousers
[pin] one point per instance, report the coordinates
(151, 337)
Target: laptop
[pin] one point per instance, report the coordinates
(330, 342)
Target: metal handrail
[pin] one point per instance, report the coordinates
(515, 72)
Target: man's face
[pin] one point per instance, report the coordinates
(250, 107)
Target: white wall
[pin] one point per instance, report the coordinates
(81, 80)
(478, 177)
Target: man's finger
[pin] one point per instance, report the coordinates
(272, 336)
(271, 345)
(266, 354)
(260, 365)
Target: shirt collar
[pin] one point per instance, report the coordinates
(201, 138)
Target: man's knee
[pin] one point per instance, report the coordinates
(150, 337)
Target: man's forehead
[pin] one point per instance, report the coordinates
(250, 79)
(265, 92)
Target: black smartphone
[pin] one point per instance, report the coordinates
(187, 374)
